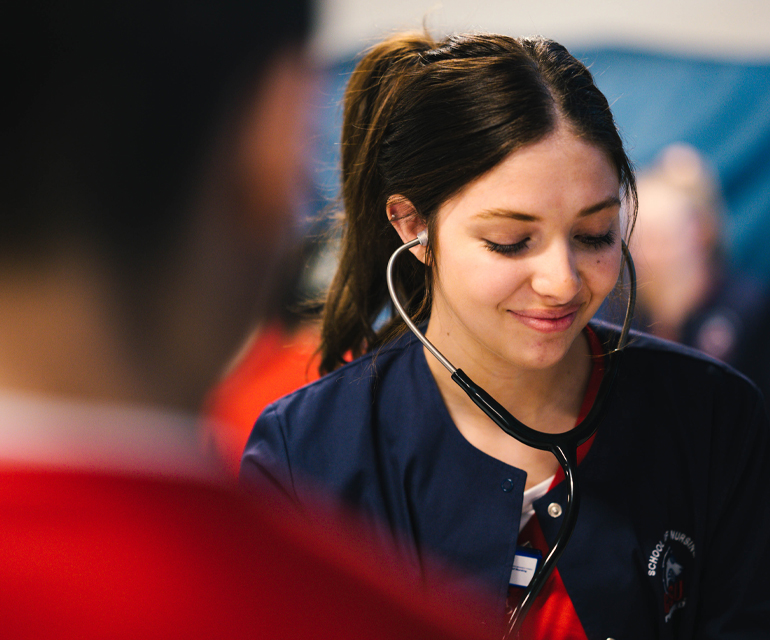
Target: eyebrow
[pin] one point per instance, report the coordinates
(612, 201)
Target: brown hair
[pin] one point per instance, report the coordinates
(422, 119)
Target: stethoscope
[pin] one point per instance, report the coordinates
(562, 445)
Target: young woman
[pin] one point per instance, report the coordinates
(506, 154)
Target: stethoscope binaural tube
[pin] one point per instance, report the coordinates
(562, 445)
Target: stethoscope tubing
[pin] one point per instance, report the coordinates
(562, 445)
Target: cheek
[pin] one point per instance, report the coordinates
(478, 279)
(504, 279)
(603, 271)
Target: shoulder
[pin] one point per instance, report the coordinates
(350, 389)
(329, 433)
(664, 371)
(670, 377)
(676, 410)
(645, 350)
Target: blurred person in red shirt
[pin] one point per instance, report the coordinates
(275, 360)
(279, 356)
(151, 156)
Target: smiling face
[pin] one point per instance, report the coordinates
(525, 255)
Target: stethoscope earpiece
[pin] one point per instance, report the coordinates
(423, 237)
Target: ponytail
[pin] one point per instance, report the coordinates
(358, 292)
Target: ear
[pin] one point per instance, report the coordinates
(407, 222)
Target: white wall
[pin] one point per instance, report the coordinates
(733, 29)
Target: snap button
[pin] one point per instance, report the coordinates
(507, 485)
(554, 509)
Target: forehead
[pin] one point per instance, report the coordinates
(559, 175)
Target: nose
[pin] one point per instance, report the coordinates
(556, 276)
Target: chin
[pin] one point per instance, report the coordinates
(545, 355)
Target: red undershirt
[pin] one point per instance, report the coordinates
(552, 615)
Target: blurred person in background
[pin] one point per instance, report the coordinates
(279, 356)
(151, 155)
(688, 291)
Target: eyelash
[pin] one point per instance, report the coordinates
(598, 242)
(507, 249)
(592, 242)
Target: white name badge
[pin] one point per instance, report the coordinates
(525, 564)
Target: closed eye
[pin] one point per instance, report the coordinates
(598, 242)
(507, 249)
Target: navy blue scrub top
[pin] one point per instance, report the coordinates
(679, 467)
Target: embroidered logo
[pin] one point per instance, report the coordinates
(670, 559)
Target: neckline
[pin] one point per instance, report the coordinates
(439, 406)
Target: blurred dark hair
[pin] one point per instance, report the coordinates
(422, 119)
(109, 107)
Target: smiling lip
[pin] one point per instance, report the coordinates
(547, 320)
